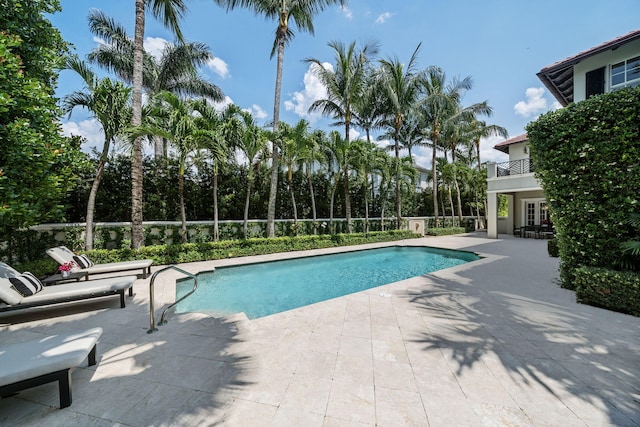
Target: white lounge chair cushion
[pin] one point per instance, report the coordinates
(79, 289)
(8, 294)
(62, 255)
(32, 359)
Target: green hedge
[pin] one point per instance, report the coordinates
(552, 247)
(614, 290)
(445, 231)
(191, 252)
(587, 157)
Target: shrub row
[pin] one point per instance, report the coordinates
(445, 231)
(614, 290)
(191, 252)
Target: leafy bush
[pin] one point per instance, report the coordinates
(191, 252)
(552, 247)
(587, 157)
(444, 231)
(614, 290)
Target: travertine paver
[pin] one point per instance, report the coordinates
(494, 342)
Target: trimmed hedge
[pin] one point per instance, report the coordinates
(587, 157)
(614, 290)
(191, 252)
(445, 231)
(552, 247)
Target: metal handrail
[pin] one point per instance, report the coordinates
(152, 320)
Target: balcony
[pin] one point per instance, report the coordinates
(512, 176)
(514, 167)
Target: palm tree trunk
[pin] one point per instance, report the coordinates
(453, 211)
(398, 195)
(183, 214)
(246, 204)
(333, 196)
(458, 199)
(366, 204)
(313, 202)
(91, 206)
(347, 200)
(216, 230)
(137, 236)
(434, 178)
(271, 210)
(295, 209)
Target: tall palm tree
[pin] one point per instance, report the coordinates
(169, 12)
(369, 107)
(302, 12)
(344, 86)
(253, 143)
(176, 70)
(365, 166)
(311, 155)
(402, 86)
(294, 140)
(177, 123)
(479, 129)
(109, 103)
(441, 103)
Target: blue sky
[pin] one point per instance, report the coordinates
(501, 44)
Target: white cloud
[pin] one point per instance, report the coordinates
(534, 104)
(219, 67)
(347, 12)
(257, 112)
(154, 46)
(382, 18)
(89, 129)
(313, 90)
(221, 105)
(488, 153)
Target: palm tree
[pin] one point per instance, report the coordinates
(402, 86)
(175, 71)
(440, 104)
(310, 155)
(294, 140)
(369, 107)
(177, 123)
(253, 143)
(302, 12)
(109, 102)
(344, 86)
(365, 164)
(169, 12)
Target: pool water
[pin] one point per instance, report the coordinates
(271, 287)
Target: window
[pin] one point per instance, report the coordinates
(594, 82)
(625, 73)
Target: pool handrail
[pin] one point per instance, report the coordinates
(152, 325)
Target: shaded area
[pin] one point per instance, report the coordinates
(187, 373)
(528, 333)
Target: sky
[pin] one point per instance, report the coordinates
(501, 44)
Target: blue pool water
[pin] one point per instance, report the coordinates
(271, 287)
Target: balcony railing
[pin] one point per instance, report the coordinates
(514, 167)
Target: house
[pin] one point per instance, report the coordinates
(610, 66)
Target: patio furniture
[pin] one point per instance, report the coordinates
(63, 255)
(531, 230)
(44, 360)
(20, 291)
(59, 278)
(517, 231)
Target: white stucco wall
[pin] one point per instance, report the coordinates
(607, 58)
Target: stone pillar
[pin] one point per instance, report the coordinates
(492, 215)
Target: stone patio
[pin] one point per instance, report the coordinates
(494, 342)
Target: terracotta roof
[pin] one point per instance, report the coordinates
(558, 77)
(504, 145)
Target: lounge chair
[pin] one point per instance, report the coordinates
(63, 255)
(44, 360)
(18, 291)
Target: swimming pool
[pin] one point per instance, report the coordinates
(271, 287)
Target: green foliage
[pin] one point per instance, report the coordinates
(191, 252)
(587, 157)
(444, 231)
(552, 247)
(34, 160)
(615, 290)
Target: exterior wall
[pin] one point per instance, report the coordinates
(607, 58)
(517, 151)
(518, 212)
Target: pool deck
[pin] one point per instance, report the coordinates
(493, 342)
